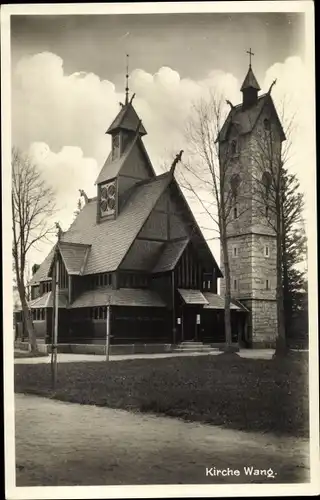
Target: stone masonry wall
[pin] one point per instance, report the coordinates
(252, 241)
(264, 322)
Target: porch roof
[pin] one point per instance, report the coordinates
(193, 297)
(46, 300)
(131, 297)
(216, 301)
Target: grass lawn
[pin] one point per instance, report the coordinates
(239, 393)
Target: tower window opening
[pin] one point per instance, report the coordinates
(235, 251)
(235, 284)
(235, 212)
(234, 185)
(267, 285)
(266, 251)
(267, 211)
(234, 148)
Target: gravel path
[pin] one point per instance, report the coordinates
(65, 444)
(67, 358)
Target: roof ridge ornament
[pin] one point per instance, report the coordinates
(272, 84)
(84, 194)
(175, 161)
(133, 96)
(60, 232)
(230, 104)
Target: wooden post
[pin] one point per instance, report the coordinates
(174, 328)
(108, 332)
(70, 289)
(55, 312)
(182, 324)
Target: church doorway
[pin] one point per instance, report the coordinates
(190, 326)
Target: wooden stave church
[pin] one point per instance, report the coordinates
(143, 255)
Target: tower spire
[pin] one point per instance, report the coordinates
(250, 86)
(127, 80)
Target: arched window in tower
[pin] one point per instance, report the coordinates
(234, 148)
(234, 184)
(235, 211)
(266, 188)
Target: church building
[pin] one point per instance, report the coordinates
(135, 263)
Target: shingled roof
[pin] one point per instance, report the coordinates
(245, 119)
(111, 241)
(250, 81)
(111, 168)
(133, 297)
(216, 301)
(46, 300)
(74, 256)
(170, 255)
(42, 272)
(127, 119)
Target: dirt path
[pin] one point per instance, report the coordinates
(67, 444)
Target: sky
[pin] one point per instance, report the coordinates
(68, 77)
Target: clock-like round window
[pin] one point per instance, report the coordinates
(111, 189)
(104, 205)
(104, 192)
(111, 203)
(108, 198)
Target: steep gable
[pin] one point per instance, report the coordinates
(165, 234)
(111, 241)
(245, 120)
(128, 119)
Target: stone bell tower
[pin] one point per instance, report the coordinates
(251, 238)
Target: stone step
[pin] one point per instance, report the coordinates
(191, 343)
(189, 351)
(196, 349)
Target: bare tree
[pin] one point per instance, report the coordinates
(270, 152)
(207, 177)
(32, 207)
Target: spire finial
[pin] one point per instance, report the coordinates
(250, 54)
(127, 80)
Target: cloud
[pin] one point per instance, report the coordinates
(62, 119)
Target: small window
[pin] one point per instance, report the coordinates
(266, 251)
(267, 211)
(267, 285)
(235, 212)
(235, 251)
(235, 284)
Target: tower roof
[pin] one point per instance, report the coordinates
(250, 81)
(126, 119)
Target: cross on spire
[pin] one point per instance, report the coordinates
(250, 54)
(127, 80)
